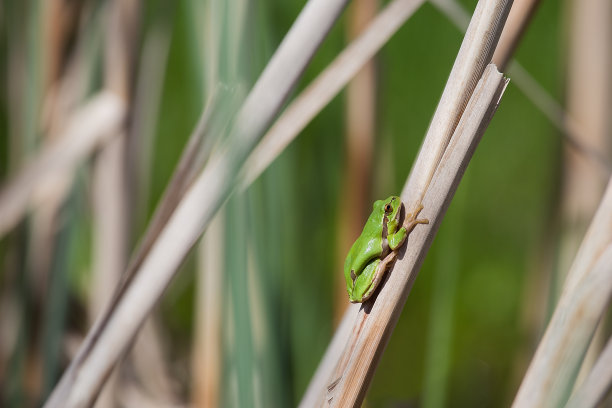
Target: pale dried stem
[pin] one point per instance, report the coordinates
(475, 53)
(110, 198)
(190, 161)
(597, 384)
(589, 91)
(327, 85)
(57, 22)
(116, 327)
(148, 360)
(377, 318)
(147, 102)
(585, 296)
(359, 141)
(562, 120)
(314, 395)
(207, 339)
(518, 20)
(89, 127)
(109, 239)
(476, 50)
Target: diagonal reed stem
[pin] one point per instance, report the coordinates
(116, 327)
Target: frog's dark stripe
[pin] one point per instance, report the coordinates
(385, 243)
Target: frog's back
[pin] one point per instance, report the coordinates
(368, 246)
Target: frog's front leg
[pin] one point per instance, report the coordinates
(397, 239)
(411, 219)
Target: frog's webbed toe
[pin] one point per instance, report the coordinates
(412, 221)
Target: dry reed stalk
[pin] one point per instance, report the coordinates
(110, 182)
(149, 361)
(475, 53)
(589, 100)
(194, 155)
(598, 382)
(313, 396)
(45, 237)
(564, 122)
(590, 61)
(58, 22)
(360, 129)
(89, 127)
(377, 318)
(147, 102)
(207, 339)
(327, 85)
(585, 296)
(116, 327)
(518, 21)
(208, 351)
(477, 48)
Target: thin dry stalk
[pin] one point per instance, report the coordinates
(518, 21)
(562, 120)
(149, 363)
(597, 384)
(91, 126)
(207, 339)
(584, 298)
(313, 396)
(588, 98)
(115, 329)
(359, 137)
(475, 53)
(147, 359)
(61, 97)
(110, 198)
(589, 93)
(327, 85)
(377, 318)
(191, 161)
(147, 102)
(477, 48)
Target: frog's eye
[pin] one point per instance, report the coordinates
(388, 208)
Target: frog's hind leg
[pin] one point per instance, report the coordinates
(381, 268)
(412, 221)
(363, 281)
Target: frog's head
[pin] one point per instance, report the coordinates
(392, 210)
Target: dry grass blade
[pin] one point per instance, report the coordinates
(207, 361)
(313, 396)
(114, 330)
(475, 53)
(192, 159)
(476, 50)
(327, 85)
(588, 91)
(599, 381)
(571, 129)
(377, 318)
(518, 20)
(585, 296)
(91, 126)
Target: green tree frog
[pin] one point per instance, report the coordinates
(377, 246)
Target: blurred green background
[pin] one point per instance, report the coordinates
(464, 337)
